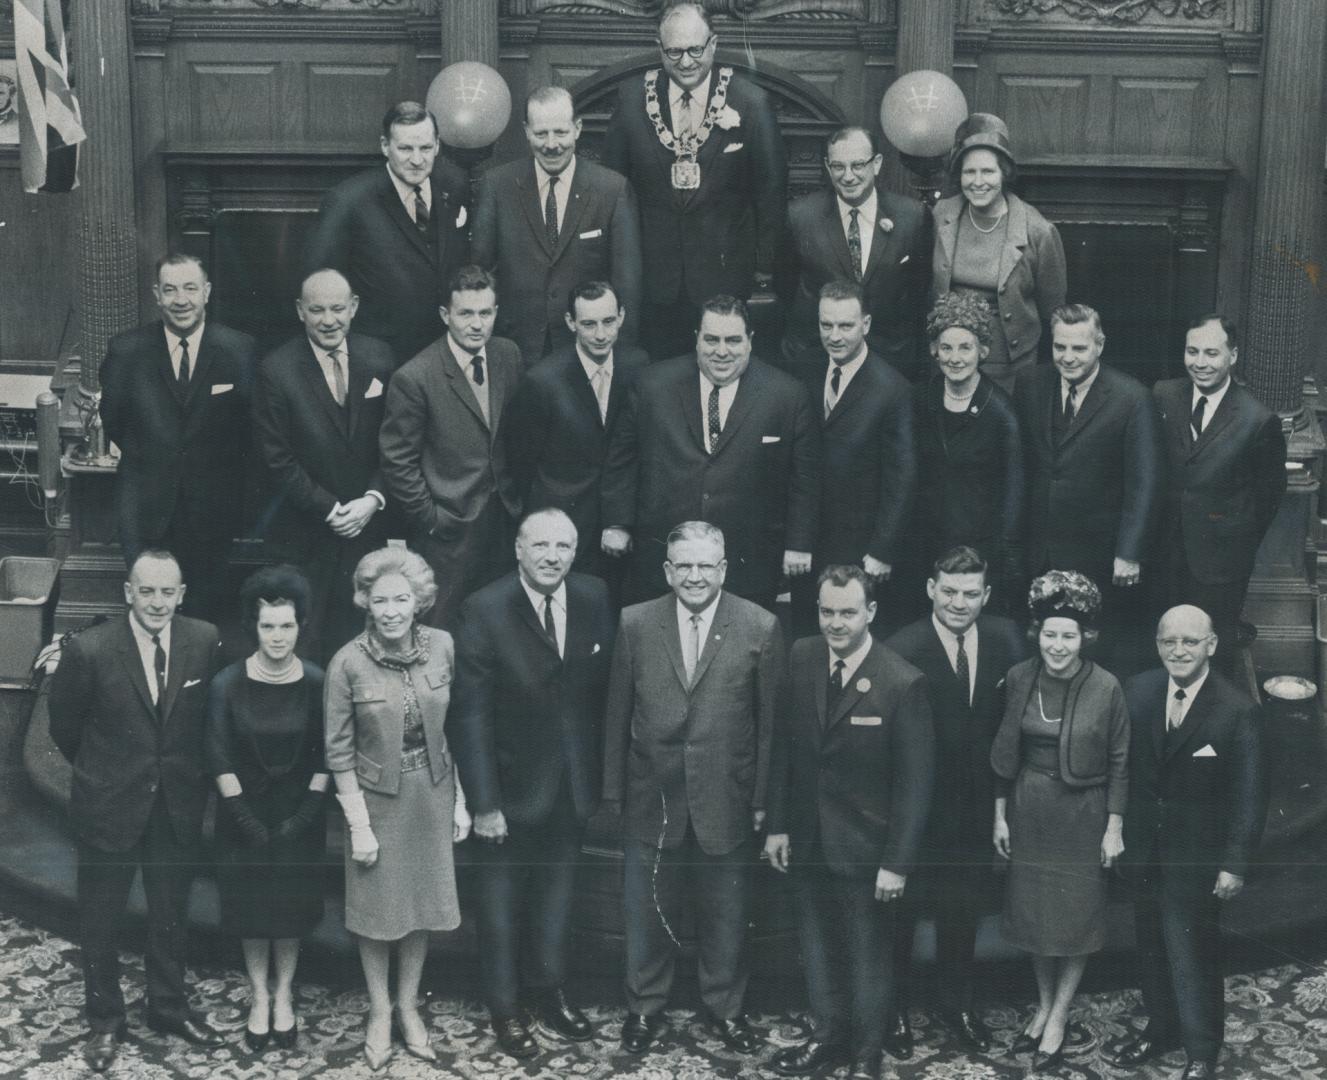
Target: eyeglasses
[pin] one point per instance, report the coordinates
(685, 569)
(696, 52)
(1170, 644)
(838, 168)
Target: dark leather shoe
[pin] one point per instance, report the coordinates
(285, 1040)
(1024, 1044)
(898, 1039)
(735, 1033)
(514, 1038)
(1043, 1062)
(1140, 1049)
(100, 1049)
(638, 1032)
(865, 1066)
(256, 1041)
(970, 1030)
(560, 1019)
(189, 1028)
(807, 1058)
(1198, 1070)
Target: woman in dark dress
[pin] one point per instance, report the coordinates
(1060, 756)
(265, 749)
(969, 452)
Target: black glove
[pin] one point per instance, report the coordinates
(255, 832)
(309, 808)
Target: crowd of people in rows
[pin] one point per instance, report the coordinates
(551, 522)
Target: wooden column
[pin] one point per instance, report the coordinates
(925, 43)
(470, 31)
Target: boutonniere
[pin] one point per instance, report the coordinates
(728, 118)
(863, 685)
(886, 225)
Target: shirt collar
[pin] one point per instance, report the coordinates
(194, 336)
(537, 598)
(1213, 398)
(949, 639)
(866, 212)
(725, 392)
(326, 354)
(541, 176)
(701, 94)
(1190, 691)
(462, 357)
(590, 366)
(850, 368)
(1083, 387)
(143, 636)
(406, 192)
(852, 661)
(706, 613)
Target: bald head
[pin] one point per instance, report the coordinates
(326, 305)
(1186, 642)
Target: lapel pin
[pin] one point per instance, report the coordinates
(863, 685)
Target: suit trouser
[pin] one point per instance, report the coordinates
(527, 882)
(1223, 602)
(204, 558)
(330, 566)
(480, 552)
(953, 893)
(847, 938)
(718, 886)
(668, 330)
(1177, 924)
(104, 879)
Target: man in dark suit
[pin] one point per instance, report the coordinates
(717, 435)
(1227, 474)
(443, 455)
(1197, 803)
(854, 231)
(850, 787)
(316, 417)
(696, 677)
(548, 224)
(175, 399)
(527, 730)
(869, 470)
(702, 149)
(1095, 461)
(964, 655)
(128, 704)
(397, 233)
(564, 417)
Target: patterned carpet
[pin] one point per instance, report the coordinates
(1277, 1027)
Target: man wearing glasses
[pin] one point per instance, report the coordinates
(1197, 800)
(853, 231)
(702, 149)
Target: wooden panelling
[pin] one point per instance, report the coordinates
(234, 103)
(1162, 117)
(1046, 114)
(345, 93)
(37, 284)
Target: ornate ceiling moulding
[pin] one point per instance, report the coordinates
(1112, 11)
(857, 10)
(152, 7)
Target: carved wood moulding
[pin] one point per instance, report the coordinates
(1113, 11)
(857, 10)
(152, 7)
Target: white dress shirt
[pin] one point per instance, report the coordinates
(463, 361)
(328, 366)
(847, 371)
(706, 621)
(173, 347)
(700, 99)
(865, 222)
(407, 193)
(147, 653)
(726, 395)
(559, 610)
(1083, 388)
(564, 186)
(1213, 403)
(950, 642)
(1190, 692)
(852, 661)
(592, 370)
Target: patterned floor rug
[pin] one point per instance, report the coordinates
(1277, 1027)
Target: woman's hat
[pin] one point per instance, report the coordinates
(981, 130)
(1064, 594)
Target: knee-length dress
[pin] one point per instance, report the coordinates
(270, 735)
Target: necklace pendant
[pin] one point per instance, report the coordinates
(686, 175)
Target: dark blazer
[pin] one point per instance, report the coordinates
(711, 240)
(964, 801)
(869, 474)
(1094, 736)
(556, 443)
(1096, 494)
(851, 785)
(178, 453)
(1189, 813)
(316, 452)
(103, 721)
(399, 274)
(760, 486)
(970, 478)
(1224, 488)
(527, 724)
(894, 285)
(702, 754)
(599, 241)
(441, 460)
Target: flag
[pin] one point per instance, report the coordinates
(50, 127)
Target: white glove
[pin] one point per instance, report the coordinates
(363, 844)
(461, 821)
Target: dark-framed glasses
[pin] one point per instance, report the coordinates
(1170, 644)
(685, 569)
(857, 168)
(696, 52)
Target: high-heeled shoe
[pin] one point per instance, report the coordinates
(256, 1041)
(285, 1040)
(378, 1056)
(1045, 1062)
(422, 1050)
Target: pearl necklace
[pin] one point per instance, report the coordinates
(1042, 709)
(998, 218)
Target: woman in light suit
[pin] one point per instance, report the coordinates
(385, 703)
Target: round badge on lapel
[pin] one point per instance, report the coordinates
(863, 685)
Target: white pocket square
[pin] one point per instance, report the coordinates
(865, 721)
(592, 234)
(191, 682)
(904, 259)
(460, 217)
(595, 649)
(374, 390)
(222, 387)
(731, 147)
(1206, 751)
(770, 438)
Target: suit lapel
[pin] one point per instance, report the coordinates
(709, 648)
(583, 393)
(689, 395)
(1221, 419)
(395, 209)
(312, 374)
(853, 689)
(165, 370)
(202, 368)
(1016, 239)
(356, 387)
(880, 240)
(1195, 722)
(1157, 727)
(748, 391)
(527, 180)
(577, 200)
(526, 613)
(854, 390)
(133, 662)
(177, 666)
(1096, 397)
(672, 639)
(460, 383)
(832, 225)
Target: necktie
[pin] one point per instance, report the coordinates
(961, 669)
(184, 363)
(550, 627)
(692, 654)
(159, 666)
(684, 121)
(551, 212)
(835, 381)
(338, 377)
(599, 382)
(712, 418)
(1176, 715)
(855, 242)
(1070, 404)
(421, 210)
(835, 685)
(1199, 414)
(477, 369)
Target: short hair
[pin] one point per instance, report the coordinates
(470, 279)
(547, 511)
(966, 311)
(677, 7)
(273, 586)
(1074, 314)
(547, 95)
(157, 555)
(959, 560)
(694, 530)
(591, 290)
(1008, 170)
(1227, 325)
(847, 131)
(841, 575)
(396, 560)
(325, 270)
(723, 304)
(406, 113)
(179, 258)
(843, 290)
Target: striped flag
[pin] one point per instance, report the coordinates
(50, 127)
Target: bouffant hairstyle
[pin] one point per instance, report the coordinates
(967, 311)
(1064, 594)
(272, 586)
(396, 560)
